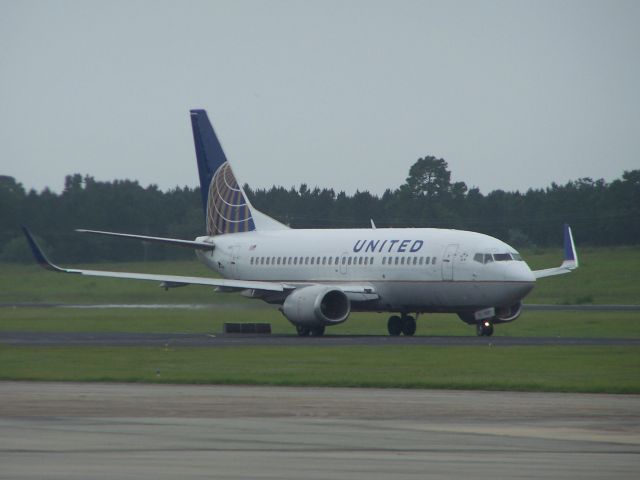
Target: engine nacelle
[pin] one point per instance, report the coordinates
(508, 314)
(500, 315)
(316, 305)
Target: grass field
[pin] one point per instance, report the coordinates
(564, 369)
(210, 320)
(605, 276)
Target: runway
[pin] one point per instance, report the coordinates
(222, 340)
(99, 431)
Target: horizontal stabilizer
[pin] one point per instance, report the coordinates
(169, 241)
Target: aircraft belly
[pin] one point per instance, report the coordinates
(448, 296)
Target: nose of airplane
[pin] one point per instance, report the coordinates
(518, 272)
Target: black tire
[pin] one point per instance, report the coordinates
(317, 331)
(484, 330)
(303, 331)
(394, 326)
(408, 325)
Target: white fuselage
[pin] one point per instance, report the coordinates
(411, 269)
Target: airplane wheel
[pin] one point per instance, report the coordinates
(303, 331)
(317, 331)
(484, 329)
(394, 325)
(408, 325)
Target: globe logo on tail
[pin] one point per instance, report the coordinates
(227, 207)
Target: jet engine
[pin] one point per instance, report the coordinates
(500, 315)
(508, 314)
(316, 305)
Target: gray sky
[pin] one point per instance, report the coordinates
(342, 94)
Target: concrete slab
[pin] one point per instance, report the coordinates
(100, 431)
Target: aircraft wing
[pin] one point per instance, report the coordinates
(173, 280)
(356, 293)
(570, 261)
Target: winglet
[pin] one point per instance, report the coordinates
(570, 261)
(40, 257)
(570, 254)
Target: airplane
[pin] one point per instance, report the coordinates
(319, 276)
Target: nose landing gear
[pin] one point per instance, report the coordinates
(406, 324)
(484, 328)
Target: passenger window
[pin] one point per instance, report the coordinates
(384, 260)
(306, 260)
(426, 262)
(433, 261)
(251, 261)
(397, 260)
(268, 260)
(415, 260)
(290, 260)
(312, 259)
(324, 260)
(371, 260)
(344, 260)
(330, 258)
(360, 261)
(349, 261)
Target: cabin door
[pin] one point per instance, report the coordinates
(448, 259)
(234, 260)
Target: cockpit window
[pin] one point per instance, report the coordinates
(498, 257)
(483, 258)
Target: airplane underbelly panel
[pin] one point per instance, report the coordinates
(443, 296)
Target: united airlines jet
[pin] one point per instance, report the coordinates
(319, 276)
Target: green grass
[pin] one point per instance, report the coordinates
(31, 283)
(606, 275)
(563, 369)
(210, 320)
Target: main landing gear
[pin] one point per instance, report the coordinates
(484, 328)
(406, 324)
(304, 331)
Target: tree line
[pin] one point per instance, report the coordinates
(599, 212)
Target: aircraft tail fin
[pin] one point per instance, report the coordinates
(226, 206)
(225, 203)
